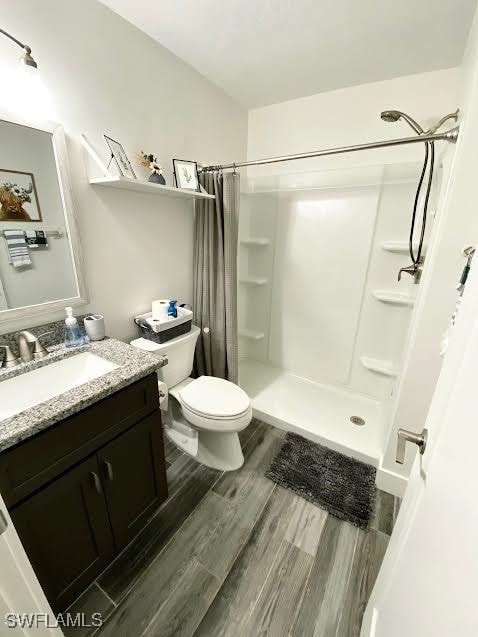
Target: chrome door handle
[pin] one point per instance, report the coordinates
(96, 482)
(404, 436)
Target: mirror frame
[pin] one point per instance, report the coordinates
(71, 225)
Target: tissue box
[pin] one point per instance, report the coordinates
(163, 331)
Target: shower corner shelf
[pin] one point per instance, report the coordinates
(399, 247)
(253, 280)
(255, 241)
(378, 366)
(393, 298)
(253, 335)
(138, 185)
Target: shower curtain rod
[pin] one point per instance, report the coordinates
(448, 136)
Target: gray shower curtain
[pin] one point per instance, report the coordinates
(215, 276)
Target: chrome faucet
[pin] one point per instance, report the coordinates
(30, 347)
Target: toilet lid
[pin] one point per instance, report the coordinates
(215, 397)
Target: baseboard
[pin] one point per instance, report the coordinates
(391, 482)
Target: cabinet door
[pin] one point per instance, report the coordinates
(66, 533)
(134, 477)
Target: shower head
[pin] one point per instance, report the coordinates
(390, 116)
(395, 116)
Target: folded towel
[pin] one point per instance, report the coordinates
(35, 238)
(31, 239)
(17, 248)
(41, 238)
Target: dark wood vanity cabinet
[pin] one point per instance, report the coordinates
(79, 507)
(133, 474)
(66, 533)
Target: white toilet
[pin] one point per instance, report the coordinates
(202, 416)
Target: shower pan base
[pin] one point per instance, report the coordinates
(318, 412)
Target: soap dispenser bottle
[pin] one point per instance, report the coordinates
(73, 335)
(172, 310)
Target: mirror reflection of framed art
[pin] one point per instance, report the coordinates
(18, 196)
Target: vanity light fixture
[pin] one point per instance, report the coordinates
(26, 58)
(27, 97)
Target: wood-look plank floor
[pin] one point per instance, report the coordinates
(234, 554)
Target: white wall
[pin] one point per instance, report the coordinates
(349, 116)
(319, 275)
(104, 75)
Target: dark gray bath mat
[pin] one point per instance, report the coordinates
(341, 485)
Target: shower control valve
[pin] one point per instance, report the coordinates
(415, 270)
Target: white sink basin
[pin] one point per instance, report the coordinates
(32, 388)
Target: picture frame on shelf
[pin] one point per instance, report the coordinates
(118, 153)
(186, 174)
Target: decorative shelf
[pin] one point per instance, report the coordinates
(255, 242)
(378, 366)
(393, 298)
(253, 280)
(400, 247)
(254, 335)
(138, 185)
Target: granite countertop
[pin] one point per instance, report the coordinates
(133, 364)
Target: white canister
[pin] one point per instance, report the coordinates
(95, 327)
(159, 310)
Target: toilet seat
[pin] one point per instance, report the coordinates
(215, 398)
(215, 404)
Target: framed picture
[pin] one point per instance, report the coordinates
(18, 196)
(186, 174)
(120, 157)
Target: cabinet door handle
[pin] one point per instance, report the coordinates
(96, 481)
(109, 469)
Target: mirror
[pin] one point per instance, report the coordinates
(40, 260)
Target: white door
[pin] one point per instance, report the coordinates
(20, 592)
(428, 583)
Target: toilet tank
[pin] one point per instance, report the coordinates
(180, 353)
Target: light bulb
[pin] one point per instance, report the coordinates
(25, 94)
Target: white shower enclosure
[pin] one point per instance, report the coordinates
(322, 317)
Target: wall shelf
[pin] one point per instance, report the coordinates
(253, 280)
(138, 185)
(399, 247)
(393, 298)
(254, 242)
(378, 366)
(254, 335)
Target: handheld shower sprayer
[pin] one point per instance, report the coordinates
(428, 163)
(394, 116)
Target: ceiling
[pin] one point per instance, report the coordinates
(266, 51)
